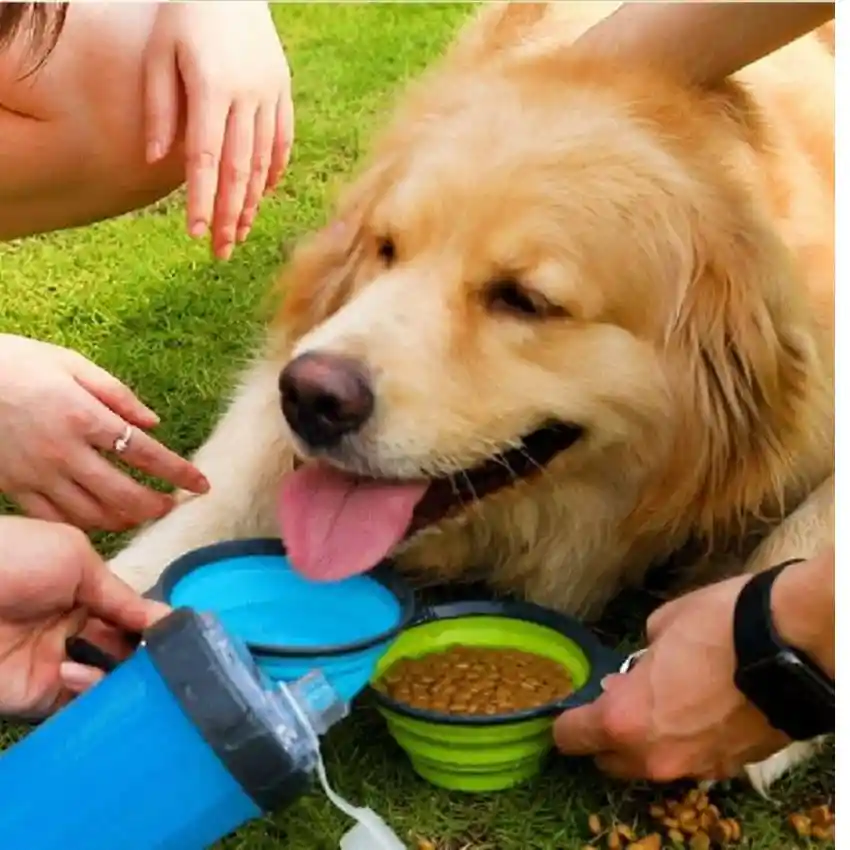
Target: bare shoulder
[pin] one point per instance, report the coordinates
(99, 50)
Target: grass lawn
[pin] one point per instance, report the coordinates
(141, 299)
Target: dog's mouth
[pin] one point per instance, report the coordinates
(336, 524)
(447, 496)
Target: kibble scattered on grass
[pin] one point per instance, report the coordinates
(816, 823)
(693, 822)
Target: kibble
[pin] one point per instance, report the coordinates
(700, 841)
(615, 841)
(626, 832)
(650, 842)
(476, 681)
(594, 824)
(823, 833)
(821, 816)
(800, 824)
(695, 822)
(817, 823)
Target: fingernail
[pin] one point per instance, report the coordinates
(78, 677)
(152, 414)
(154, 150)
(242, 233)
(198, 229)
(156, 611)
(226, 251)
(203, 484)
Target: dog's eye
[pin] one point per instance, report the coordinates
(386, 250)
(510, 296)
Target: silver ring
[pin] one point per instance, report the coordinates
(122, 443)
(631, 660)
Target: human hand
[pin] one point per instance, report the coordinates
(226, 60)
(52, 586)
(58, 413)
(677, 713)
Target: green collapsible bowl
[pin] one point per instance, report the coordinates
(492, 753)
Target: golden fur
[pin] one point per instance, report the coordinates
(687, 238)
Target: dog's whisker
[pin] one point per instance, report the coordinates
(540, 468)
(476, 500)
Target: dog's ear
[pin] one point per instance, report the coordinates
(318, 277)
(322, 271)
(750, 386)
(493, 29)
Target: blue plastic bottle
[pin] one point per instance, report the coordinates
(180, 745)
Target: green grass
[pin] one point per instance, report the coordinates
(143, 301)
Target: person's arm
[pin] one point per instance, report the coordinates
(803, 604)
(702, 42)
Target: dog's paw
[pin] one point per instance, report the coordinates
(763, 774)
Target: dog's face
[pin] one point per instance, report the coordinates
(497, 302)
(501, 283)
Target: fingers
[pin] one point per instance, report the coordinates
(283, 139)
(205, 128)
(108, 390)
(161, 103)
(264, 133)
(144, 452)
(151, 457)
(80, 508)
(70, 503)
(38, 506)
(110, 599)
(581, 731)
(129, 502)
(661, 618)
(87, 490)
(235, 172)
(77, 678)
(114, 642)
(620, 766)
(615, 722)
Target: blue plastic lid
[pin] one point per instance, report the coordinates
(252, 588)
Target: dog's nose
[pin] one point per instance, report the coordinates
(324, 397)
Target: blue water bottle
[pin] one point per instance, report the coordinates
(177, 747)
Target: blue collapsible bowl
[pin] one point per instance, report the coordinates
(290, 624)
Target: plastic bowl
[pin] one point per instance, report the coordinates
(481, 754)
(292, 625)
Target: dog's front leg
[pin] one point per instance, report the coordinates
(807, 532)
(244, 460)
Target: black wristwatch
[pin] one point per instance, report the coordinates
(787, 686)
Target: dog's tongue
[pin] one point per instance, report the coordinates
(336, 525)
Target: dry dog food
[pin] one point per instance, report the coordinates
(695, 823)
(476, 681)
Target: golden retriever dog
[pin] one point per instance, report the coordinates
(570, 319)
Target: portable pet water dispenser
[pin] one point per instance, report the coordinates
(216, 718)
(177, 747)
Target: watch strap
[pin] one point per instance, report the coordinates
(756, 637)
(802, 706)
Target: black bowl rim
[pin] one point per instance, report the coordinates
(383, 574)
(601, 660)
